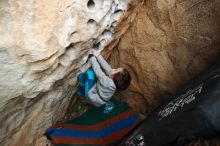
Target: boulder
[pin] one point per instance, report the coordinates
(43, 45)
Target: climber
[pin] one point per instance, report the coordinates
(97, 86)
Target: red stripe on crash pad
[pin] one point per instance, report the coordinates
(71, 140)
(98, 126)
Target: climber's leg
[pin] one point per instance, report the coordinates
(89, 82)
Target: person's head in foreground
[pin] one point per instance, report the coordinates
(121, 78)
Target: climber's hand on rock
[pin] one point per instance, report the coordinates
(96, 52)
(90, 55)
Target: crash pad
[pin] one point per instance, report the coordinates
(95, 128)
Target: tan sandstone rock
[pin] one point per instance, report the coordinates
(42, 46)
(168, 43)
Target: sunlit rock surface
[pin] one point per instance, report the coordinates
(42, 46)
(167, 44)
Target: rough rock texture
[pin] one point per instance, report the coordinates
(42, 46)
(43, 43)
(167, 44)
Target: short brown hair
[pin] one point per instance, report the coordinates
(122, 80)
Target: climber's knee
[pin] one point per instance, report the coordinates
(90, 75)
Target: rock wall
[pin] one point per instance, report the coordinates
(167, 44)
(42, 46)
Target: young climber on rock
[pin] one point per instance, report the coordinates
(98, 86)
